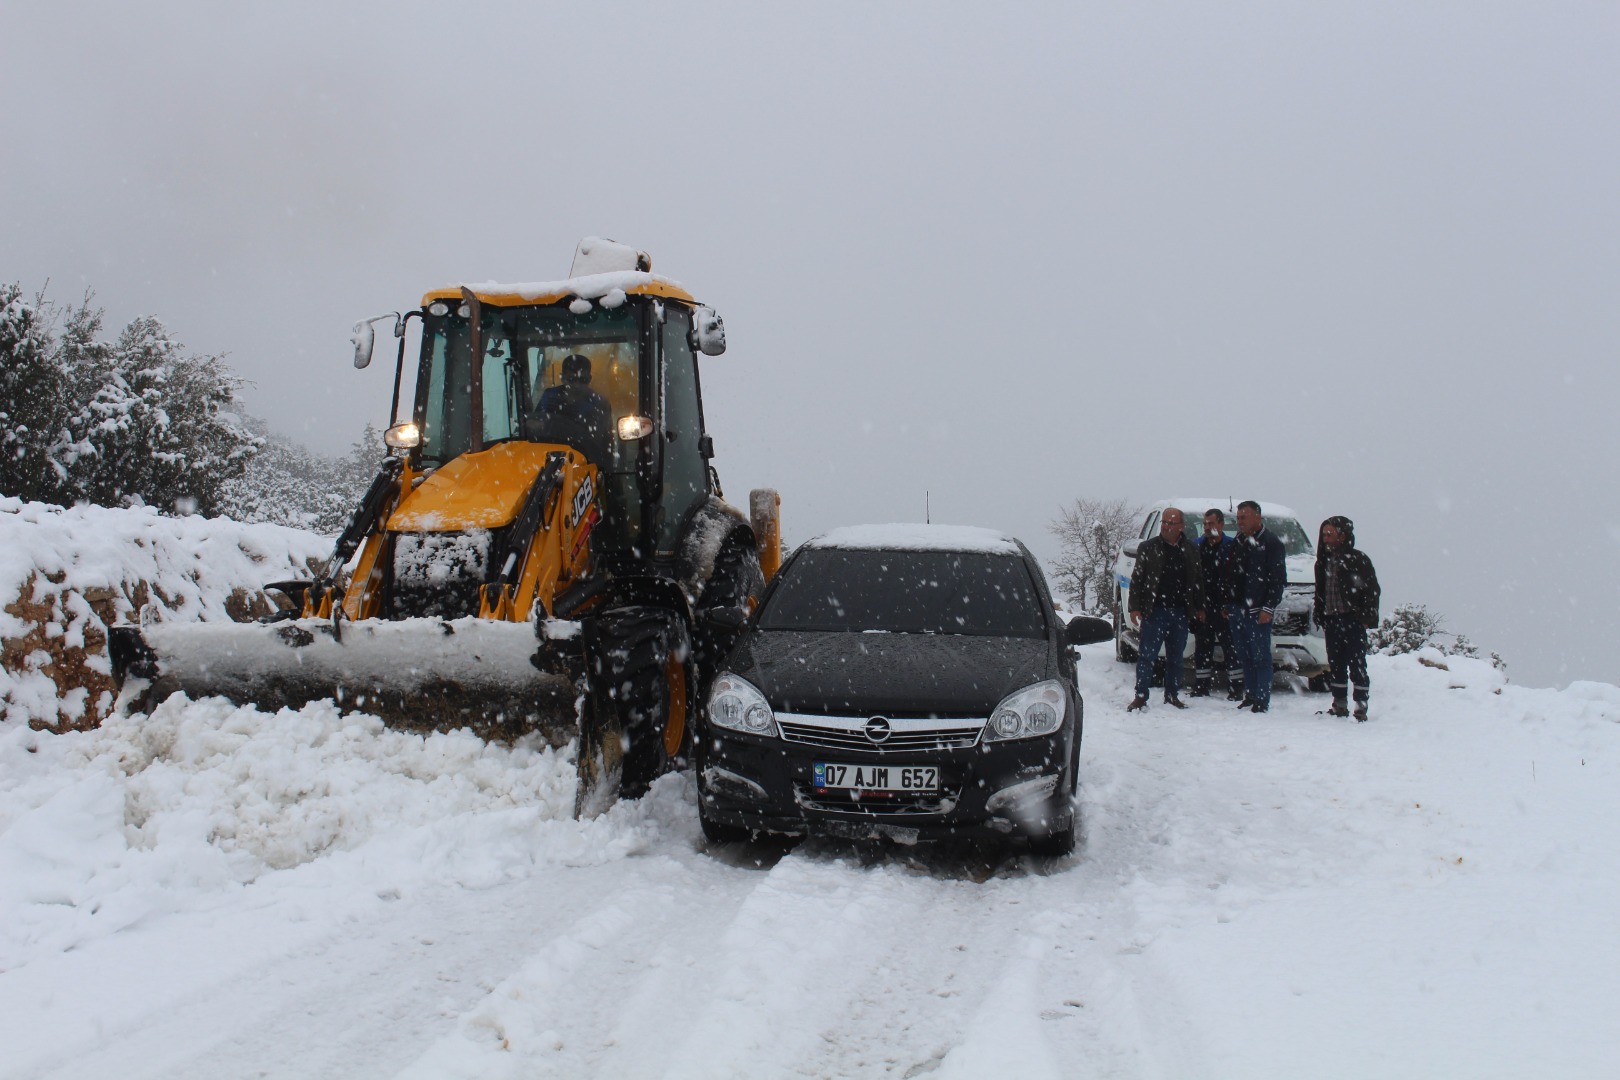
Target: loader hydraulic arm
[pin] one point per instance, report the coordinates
(380, 496)
(546, 545)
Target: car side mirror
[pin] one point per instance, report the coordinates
(733, 617)
(1130, 548)
(1087, 630)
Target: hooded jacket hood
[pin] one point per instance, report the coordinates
(1345, 527)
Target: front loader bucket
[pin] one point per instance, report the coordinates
(421, 674)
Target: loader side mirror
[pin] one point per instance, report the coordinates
(708, 332)
(733, 617)
(365, 338)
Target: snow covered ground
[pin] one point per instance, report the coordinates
(219, 892)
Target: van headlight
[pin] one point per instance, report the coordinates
(738, 705)
(1034, 710)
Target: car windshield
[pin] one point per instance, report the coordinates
(906, 592)
(1288, 530)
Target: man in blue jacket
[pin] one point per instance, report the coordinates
(1222, 584)
(1265, 577)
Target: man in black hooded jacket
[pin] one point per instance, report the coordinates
(1346, 607)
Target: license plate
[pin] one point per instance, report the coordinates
(877, 777)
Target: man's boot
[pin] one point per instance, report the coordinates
(1338, 708)
(1235, 692)
(1201, 687)
(1137, 702)
(1361, 711)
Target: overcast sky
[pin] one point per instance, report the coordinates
(1356, 258)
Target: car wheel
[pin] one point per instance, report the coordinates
(1317, 684)
(1057, 843)
(716, 832)
(1122, 652)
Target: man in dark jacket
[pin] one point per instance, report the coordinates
(1166, 583)
(1218, 555)
(1346, 608)
(1264, 564)
(574, 414)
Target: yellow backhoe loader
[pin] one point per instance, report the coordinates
(545, 548)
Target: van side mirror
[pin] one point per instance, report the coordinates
(1130, 548)
(1087, 630)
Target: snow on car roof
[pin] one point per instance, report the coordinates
(914, 537)
(1189, 504)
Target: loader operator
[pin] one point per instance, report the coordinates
(574, 414)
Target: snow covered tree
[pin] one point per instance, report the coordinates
(158, 424)
(33, 400)
(290, 485)
(112, 422)
(1413, 627)
(1091, 533)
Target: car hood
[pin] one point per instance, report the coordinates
(867, 674)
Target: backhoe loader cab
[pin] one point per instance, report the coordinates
(545, 547)
(636, 354)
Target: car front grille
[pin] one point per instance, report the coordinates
(1295, 623)
(905, 735)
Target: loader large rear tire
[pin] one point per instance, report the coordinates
(641, 670)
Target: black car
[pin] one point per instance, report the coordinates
(912, 682)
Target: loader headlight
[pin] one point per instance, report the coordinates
(634, 427)
(1034, 710)
(737, 704)
(403, 436)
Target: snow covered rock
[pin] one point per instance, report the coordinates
(66, 575)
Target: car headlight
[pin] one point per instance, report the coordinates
(1034, 710)
(738, 705)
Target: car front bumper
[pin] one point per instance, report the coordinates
(999, 789)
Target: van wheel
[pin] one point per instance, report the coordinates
(1122, 652)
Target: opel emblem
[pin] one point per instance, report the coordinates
(877, 729)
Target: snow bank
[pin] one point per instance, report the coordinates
(68, 574)
(103, 829)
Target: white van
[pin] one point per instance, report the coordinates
(1296, 646)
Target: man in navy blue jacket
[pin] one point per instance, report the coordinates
(1265, 577)
(1222, 583)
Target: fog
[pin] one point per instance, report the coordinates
(1353, 258)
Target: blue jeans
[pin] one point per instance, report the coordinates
(1165, 627)
(1253, 640)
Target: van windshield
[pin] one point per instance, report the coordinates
(906, 592)
(1288, 530)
